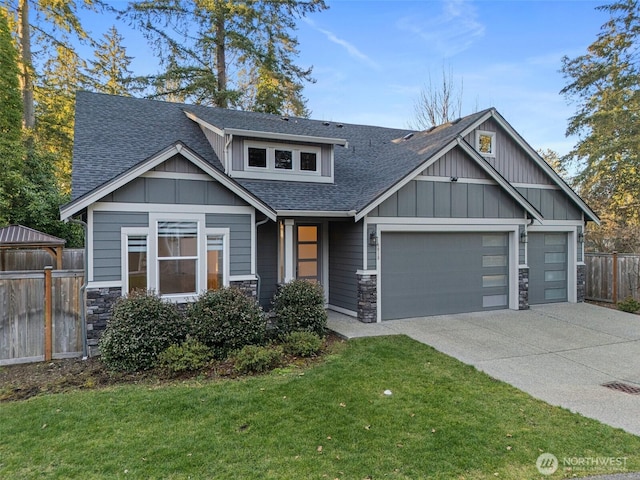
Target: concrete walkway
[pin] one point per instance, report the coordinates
(559, 353)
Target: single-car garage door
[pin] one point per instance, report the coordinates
(438, 273)
(547, 259)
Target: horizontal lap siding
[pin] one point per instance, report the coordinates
(428, 199)
(267, 262)
(345, 258)
(239, 239)
(106, 241)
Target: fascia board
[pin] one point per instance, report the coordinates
(285, 136)
(404, 180)
(545, 166)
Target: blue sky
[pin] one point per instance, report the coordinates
(371, 58)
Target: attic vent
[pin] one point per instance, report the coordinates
(286, 119)
(456, 120)
(339, 125)
(407, 136)
(326, 124)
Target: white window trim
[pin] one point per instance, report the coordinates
(479, 133)
(271, 167)
(125, 233)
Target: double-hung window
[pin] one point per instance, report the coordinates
(177, 256)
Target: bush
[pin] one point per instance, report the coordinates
(257, 359)
(629, 304)
(302, 344)
(140, 328)
(190, 355)
(299, 306)
(226, 320)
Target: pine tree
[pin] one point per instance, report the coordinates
(109, 71)
(11, 148)
(204, 48)
(605, 85)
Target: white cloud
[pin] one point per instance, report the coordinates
(452, 31)
(351, 49)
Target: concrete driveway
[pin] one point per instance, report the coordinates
(559, 353)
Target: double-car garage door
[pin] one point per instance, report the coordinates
(426, 274)
(438, 273)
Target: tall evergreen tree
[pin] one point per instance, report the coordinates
(109, 70)
(205, 45)
(55, 103)
(604, 83)
(11, 148)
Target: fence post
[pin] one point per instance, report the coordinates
(615, 277)
(48, 320)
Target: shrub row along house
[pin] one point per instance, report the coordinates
(393, 223)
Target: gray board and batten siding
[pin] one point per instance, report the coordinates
(552, 204)
(345, 245)
(510, 159)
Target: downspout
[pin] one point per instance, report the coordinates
(83, 288)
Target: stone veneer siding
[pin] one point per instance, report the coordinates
(367, 297)
(248, 287)
(581, 282)
(99, 304)
(523, 288)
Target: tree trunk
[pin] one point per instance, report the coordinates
(221, 62)
(26, 66)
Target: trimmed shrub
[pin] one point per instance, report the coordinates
(140, 328)
(190, 355)
(226, 320)
(629, 304)
(257, 359)
(299, 306)
(302, 344)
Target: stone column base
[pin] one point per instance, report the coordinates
(581, 283)
(523, 288)
(367, 297)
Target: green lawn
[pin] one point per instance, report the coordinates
(444, 420)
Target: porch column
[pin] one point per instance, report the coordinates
(289, 272)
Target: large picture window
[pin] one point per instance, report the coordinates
(176, 256)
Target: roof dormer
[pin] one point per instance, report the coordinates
(272, 155)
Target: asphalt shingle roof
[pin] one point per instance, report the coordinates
(114, 134)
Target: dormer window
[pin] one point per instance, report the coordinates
(284, 159)
(486, 143)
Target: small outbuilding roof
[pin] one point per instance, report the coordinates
(21, 236)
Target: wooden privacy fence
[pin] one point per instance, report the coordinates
(612, 277)
(27, 259)
(40, 315)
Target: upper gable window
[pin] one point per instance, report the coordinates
(280, 158)
(486, 143)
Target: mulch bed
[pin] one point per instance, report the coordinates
(22, 381)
